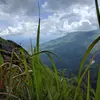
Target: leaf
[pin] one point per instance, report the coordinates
(97, 11)
(49, 94)
(88, 87)
(97, 96)
(55, 71)
(86, 55)
(79, 83)
(1, 62)
(38, 37)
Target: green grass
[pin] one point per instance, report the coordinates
(35, 81)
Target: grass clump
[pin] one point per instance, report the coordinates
(35, 81)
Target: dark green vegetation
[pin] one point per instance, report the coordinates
(31, 79)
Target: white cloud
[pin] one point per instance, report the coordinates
(45, 5)
(58, 23)
(18, 25)
(76, 17)
(55, 24)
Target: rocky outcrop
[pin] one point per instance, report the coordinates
(6, 48)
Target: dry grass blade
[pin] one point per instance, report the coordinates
(11, 95)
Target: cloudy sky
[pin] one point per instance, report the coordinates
(19, 18)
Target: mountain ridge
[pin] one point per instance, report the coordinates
(71, 48)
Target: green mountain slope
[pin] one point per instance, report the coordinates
(71, 48)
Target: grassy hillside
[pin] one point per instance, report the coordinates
(33, 80)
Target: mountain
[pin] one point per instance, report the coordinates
(71, 48)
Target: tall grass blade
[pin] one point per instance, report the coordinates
(88, 86)
(31, 45)
(97, 96)
(26, 67)
(10, 77)
(1, 59)
(35, 78)
(79, 83)
(38, 37)
(49, 94)
(81, 78)
(97, 11)
(86, 55)
(1, 62)
(38, 31)
(28, 92)
(55, 70)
